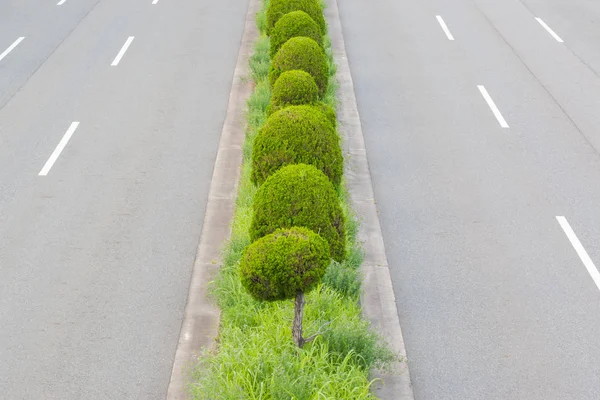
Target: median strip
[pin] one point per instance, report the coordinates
(256, 355)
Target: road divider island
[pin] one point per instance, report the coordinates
(289, 286)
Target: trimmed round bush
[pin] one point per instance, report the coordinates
(297, 135)
(298, 87)
(300, 195)
(296, 23)
(304, 54)
(293, 88)
(278, 8)
(328, 111)
(276, 266)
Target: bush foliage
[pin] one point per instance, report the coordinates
(278, 8)
(329, 112)
(293, 88)
(304, 54)
(300, 195)
(276, 266)
(296, 23)
(297, 135)
(298, 87)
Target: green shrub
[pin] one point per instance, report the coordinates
(300, 195)
(329, 112)
(297, 87)
(293, 24)
(304, 54)
(277, 266)
(293, 88)
(325, 109)
(297, 135)
(278, 8)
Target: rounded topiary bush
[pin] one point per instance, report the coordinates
(297, 135)
(304, 54)
(293, 88)
(295, 23)
(278, 8)
(328, 111)
(300, 195)
(277, 266)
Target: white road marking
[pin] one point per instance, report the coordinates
(444, 27)
(61, 145)
(154, 1)
(122, 51)
(550, 31)
(11, 47)
(492, 106)
(61, 2)
(583, 255)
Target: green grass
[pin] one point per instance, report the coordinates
(255, 356)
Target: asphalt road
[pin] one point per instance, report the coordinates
(476, 146)
(97, 243)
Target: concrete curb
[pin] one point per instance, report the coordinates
(377, 298)
(200, 325)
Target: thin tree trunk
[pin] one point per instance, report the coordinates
(297, 327)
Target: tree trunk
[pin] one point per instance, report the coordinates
(297, 327)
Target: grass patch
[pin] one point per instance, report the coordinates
(256, 357)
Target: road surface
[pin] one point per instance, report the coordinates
(481, 120)
(110, 115)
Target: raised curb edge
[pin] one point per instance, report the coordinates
(200, 326)
(377, 297)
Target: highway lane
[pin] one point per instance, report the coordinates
(565, 76)
(494, 301)
(48, 25)
(95, 257)
(577, 23)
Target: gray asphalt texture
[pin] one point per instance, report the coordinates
(96, 257)
(493, 300)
